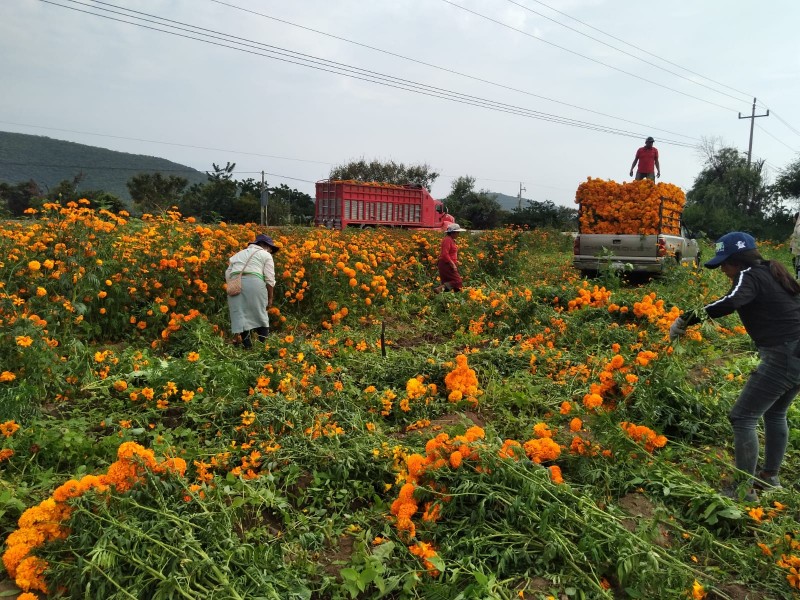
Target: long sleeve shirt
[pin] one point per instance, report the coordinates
(258, 262)
(449, 251)
(769, 313)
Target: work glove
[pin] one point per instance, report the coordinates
(677, 329)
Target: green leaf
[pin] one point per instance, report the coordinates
(349, 574)
(437, 562)
(367, 576)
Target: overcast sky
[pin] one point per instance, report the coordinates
(619, 71)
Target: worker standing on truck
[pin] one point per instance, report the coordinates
(647, 157)
(448, 261)
(767, 299)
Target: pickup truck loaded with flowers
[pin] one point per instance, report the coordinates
(633, 226)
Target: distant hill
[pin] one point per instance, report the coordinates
(509, 203)
(48, 162)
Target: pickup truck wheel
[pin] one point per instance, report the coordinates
(588, 273)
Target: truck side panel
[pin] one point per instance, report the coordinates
(341, 204)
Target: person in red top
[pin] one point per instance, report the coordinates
(647, 157)
(448, 261)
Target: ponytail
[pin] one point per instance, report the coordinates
(752, 258)
(783, 277)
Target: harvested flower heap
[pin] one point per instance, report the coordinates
(638, 207)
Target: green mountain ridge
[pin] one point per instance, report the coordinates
(49, 161)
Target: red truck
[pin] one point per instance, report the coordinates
(343, 204)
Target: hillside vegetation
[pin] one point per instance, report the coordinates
(535, 436)
(49, 161)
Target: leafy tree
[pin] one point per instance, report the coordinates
(386, 172)
(155, 193)
(478, 210)
(99, 199)
(287, 205)
(730, 195)
(544, 214)
(788, 183)
(16, 199)
(215, 200)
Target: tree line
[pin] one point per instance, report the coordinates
(220, 198)
(729, 194)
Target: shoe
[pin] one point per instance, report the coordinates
(734, 493)
(767, 482)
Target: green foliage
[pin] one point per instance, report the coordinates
(477, 210)
(788, 182)
(155, 192)
(731, 194)
(385, 172)
(544, 215)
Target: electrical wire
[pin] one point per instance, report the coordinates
(284, 55)
(775, 138)
(144, 170)
(634, 46)
(132, 139)
(625, 52)
(589, 58)
(777, 116)
(448, 70)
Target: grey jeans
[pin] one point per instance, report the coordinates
(768, 393)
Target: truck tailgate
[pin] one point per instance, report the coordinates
(622, 246)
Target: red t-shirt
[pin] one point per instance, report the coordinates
(647, 159)
(449, 249)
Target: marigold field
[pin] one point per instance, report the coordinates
(534, 436)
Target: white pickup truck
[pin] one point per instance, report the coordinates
(636, 253)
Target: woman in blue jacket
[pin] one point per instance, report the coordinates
(767, 298)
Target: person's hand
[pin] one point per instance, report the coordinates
(677, 329)
(658, 174)
(631, 173)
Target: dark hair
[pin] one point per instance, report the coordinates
(752, 258)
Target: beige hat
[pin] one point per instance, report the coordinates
(454, 228)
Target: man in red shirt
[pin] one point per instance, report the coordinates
(647, 157)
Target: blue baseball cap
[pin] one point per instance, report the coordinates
(730, 244)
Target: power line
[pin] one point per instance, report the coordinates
(792, 129)
(142, 169)
(589, 58)
(625, 52)
(300, 59)
(613, 37)
(448, 70)
(132, 139)
(776, 139)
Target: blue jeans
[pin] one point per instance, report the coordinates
(768, 393)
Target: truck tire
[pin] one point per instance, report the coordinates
(588, 273)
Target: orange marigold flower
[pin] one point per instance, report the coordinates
(555, 474)
(542, 450)
(8, 428)
(575, 424)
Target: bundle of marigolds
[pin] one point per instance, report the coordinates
(638, 207)
(45, 523)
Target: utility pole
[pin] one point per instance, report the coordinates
(519, 196)
(264, 201)
(753, 116)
